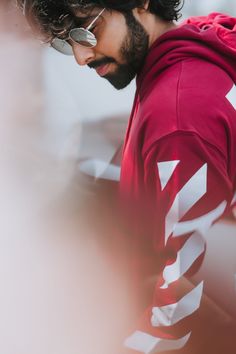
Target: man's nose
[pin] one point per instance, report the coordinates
(83, 55)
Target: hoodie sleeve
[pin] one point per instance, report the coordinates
(188, 189)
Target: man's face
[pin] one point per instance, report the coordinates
(122, 45)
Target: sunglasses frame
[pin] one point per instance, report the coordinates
(58, 43)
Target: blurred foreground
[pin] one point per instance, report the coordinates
(61, 291)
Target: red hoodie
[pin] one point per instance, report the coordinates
(179, 168)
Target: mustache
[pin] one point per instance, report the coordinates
(96, 63)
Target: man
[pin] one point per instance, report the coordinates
(179, 161)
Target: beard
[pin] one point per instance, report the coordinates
(133, 52)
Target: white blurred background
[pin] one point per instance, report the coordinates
(60, 292)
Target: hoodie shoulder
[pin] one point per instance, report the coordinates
(185, 82)
(190, 96)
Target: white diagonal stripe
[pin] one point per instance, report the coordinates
(191, 192)
(162, 316)
(148, 344)
(100, 169)
(186, 256)
(171, 314)
(201, 224)
(165, 170)
(234, 199)
(112, 173)
(231, 96)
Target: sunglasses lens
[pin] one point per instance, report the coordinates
(62, 46)
(83, 37)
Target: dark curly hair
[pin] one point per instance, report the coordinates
(56, 17)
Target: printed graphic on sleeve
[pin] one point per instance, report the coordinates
(171, 310)
(186, 256)
(147, 344)
(171, 314)
(166, 170)
(231, 96)
(185, 199)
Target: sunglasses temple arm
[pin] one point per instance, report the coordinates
(88, 28)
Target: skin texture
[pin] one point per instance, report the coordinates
(122, 44)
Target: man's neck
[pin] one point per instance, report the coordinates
(159, 29)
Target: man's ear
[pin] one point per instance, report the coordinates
(144, 7)
(146, 4)
(142, 11)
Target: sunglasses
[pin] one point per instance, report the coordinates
(82, 36)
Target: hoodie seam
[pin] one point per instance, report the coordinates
(178, 94)
(183, 133)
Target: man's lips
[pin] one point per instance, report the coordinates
(102, 69)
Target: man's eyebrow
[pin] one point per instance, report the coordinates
(86, 17)
(80, 20)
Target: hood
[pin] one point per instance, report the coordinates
(211, 37)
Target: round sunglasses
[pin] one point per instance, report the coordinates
(82, 36)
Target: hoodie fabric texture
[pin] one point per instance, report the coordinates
(178, 173)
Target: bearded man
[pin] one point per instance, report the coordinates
(178, 172)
